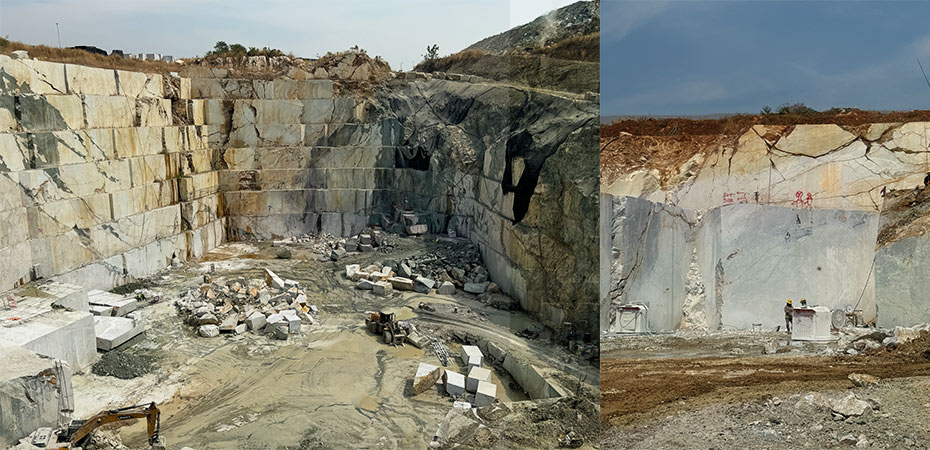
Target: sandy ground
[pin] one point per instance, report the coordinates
(332, 385)
(722, 392)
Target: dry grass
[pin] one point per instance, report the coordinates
(443, 64)
(579, 48)
(73, 56)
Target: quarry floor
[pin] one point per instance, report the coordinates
(333, 384)
(722, 391)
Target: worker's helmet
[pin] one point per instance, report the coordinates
(789, 301)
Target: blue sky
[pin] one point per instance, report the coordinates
(690, 57)
(398, 30)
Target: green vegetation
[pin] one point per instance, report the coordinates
(222, 50)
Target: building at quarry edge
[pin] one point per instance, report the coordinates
(107, 176)
(722, 240)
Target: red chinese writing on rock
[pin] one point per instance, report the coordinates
(735, 197)
(802, 200)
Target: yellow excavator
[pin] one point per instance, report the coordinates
(79, 431)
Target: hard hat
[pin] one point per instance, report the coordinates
(789, 301)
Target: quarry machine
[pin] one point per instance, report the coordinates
(382, 323)
(79, 431)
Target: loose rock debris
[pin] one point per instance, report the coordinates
(273, 307)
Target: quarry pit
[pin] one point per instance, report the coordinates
(142, 213)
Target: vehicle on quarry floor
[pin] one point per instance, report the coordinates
(383, 324)
(79, 432)
(570, 440)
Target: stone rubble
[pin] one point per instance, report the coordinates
(273, 306)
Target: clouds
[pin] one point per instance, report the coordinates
(623, 17)
(692, 58)
(399, 30)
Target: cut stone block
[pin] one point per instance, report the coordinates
(352, 272)
(365, 248)
(111, 332)
(381, 275)
(455, 383)
(401, 283)
(485, 394)
(241, 328)
(275, 319)
(121, 305)
(476, 374)
(33, 389)
(55, 332)
(495, 351)
(293, 321)
(410, 219)
(273, 280)
(471, 356)
(229, 323)
(417, 229)
(256, 321)
(476, 288)
(67, 295)
(404, 271)
(100, 310)
(382, 288)
(365, 285)
(446, 288)
(427, 375)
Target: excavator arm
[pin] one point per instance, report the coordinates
(149, 412)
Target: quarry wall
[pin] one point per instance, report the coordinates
(94, 176)
(108, 176)
(784, 212)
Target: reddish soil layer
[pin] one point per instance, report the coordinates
(738, 124)
(639, 390)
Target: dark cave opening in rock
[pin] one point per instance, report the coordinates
(418, 159)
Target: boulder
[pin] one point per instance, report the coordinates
(207, 319)
(863, 380)
(423, 285)
(813, 403)
(209, 331)
(427, 375)
(851, 406)
(280, 332)
(336, 254)
(404, 271)
(446, 288)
